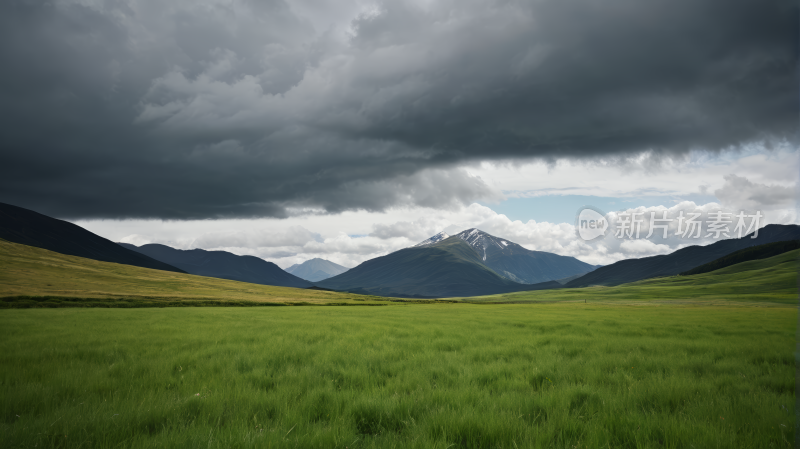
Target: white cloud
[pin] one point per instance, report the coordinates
(741, 193)
(350, 238)
(136, 239)
(288, 245)
(644, 247)
(257, 238)
(697, 172)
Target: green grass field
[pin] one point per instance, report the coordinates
(446, 376)
(700, 361)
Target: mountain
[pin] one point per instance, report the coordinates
(26, 227)
(316, 269)
(684, 259)
(519, 264)
(435, 239)
(470, 263)
(447, 268)
(221, 264)
(743, 255)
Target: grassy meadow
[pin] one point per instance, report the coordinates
(702, 361)
(564, 375)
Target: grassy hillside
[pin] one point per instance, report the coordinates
(438, 376)
(27, 227)
(744, 255)
(30, 271)
(632, 270)
(772, 280)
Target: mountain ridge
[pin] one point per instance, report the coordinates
(26, 227)
(457, 266)
(520, 264)
(758, 252)
(433, 239)
(684, 259)
(222, 265)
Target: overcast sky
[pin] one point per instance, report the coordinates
(349, 129)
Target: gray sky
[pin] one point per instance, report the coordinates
(195, 110)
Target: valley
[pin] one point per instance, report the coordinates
(98, 353)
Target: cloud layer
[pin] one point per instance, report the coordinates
(287, 245)
(209, 109)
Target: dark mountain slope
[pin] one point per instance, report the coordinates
(316, 269)
(222, 264)
(519, 264)
(685, 259)
(515, 262)
(30, 228)
(445, 269)
(743, 255)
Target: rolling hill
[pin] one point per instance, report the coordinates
(35, 276)
(447, 268)
(30, 228)
(631, 270)
(221, 264)
(770, 281)
(743, 255)
(316, 270)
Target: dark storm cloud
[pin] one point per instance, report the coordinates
(238, 109)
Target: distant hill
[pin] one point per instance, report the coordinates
(772, 280)
(221, 264)
(631, 270)
(516, 263)
(316, 269)
(35, 277)
(30, 228)
(743, 255)
(448, 268)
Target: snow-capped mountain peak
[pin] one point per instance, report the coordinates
(515, 262)
(435, 239)
(481, 240)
